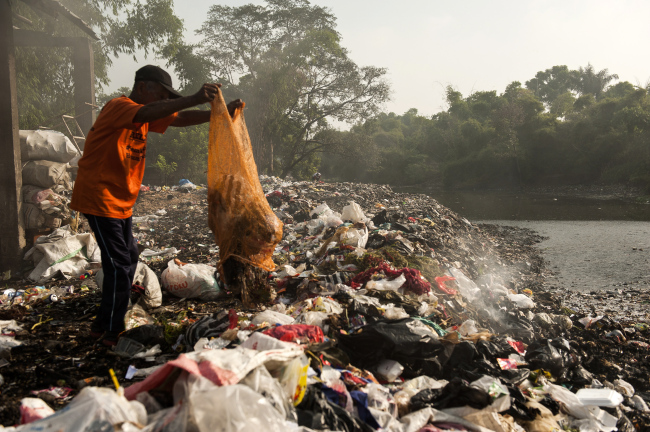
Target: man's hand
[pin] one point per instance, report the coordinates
(232, 106)
(207, 93)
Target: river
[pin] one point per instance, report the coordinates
(591, 244)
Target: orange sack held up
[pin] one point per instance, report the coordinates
(244, 226)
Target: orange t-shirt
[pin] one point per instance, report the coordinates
(112, 166)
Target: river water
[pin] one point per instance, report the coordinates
(597, 249)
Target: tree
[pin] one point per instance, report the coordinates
(592, 82)
(285, 59)
(165, 168)
(552, 83)
(44, 75)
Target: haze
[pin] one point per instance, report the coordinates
(471, 45)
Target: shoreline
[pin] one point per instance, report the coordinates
(632, 194)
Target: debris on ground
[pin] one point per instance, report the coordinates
(385, 311)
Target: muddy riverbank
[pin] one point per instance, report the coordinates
(602, 266)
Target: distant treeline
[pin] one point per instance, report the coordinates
(562, 127)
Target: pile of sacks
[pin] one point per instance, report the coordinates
(49, 158)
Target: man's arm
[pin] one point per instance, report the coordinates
(194, 117)
(161, 109)
(191, 118)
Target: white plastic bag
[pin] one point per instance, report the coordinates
(93, 409)
(355, 237)
(272, 317)
(32, 409)
(385, 284)
(234, 408)
(393, 312)
(353, 213)
(191, 281)
(468, 328)
(522, 301)
(466, 286)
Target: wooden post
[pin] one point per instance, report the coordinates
(12, 233)
(84, 84)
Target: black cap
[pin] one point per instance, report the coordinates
(156, 74)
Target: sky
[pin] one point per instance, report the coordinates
(471, 45)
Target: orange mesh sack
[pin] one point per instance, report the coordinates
(244, 226)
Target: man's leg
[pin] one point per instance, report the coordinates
(117, 266)
(132, 247)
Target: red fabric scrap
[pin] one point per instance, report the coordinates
(440, 280)
(233, 319)
(518, 346)
(414, 280)
(294, 332)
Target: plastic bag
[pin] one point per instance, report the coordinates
(389, 370)
(234, 408)
(466, 286)
(190, 280)
(272, 318)
(263, 383)
(355, 237)
(385, 284)
(240, 217)
(353, 213)
(64, 253)
(137, 316)
(32, 409)
(293, 378)
(93, 409)
(522, 301)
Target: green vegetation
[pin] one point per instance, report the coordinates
(564, 127)
(286, 60)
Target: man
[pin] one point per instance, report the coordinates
(110, 174)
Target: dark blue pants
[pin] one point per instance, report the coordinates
(119, 261)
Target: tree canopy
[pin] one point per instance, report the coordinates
(125, 27)
(285, 59)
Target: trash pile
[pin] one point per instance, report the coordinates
(49, 159)
(388, 312)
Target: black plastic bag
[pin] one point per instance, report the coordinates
(407, 341)
(456, 393)
(147, 335)
(553, 355)
(316, 412)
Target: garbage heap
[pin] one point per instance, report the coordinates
(389, 312)
(49, 159)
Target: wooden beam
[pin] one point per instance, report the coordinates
(12, 233)
(36, 38)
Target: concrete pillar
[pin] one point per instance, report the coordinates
(84, 84)
(12, 233)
